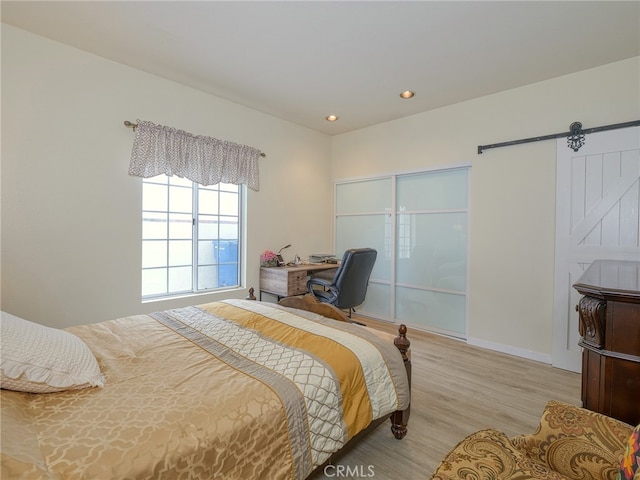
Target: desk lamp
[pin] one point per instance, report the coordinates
(279, 258)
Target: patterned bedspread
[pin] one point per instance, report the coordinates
(232, 390)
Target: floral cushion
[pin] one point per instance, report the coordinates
(576, 442)
(629, 467)
(488, 454)
(570, 443)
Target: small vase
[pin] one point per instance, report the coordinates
(269, 263)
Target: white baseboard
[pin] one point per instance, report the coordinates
(518, 352)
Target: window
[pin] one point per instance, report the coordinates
(190, 236)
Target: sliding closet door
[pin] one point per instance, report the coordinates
(363, 219)
(418, 225)
(431, 251)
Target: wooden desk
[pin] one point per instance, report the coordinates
(609, 315)
(289, 281)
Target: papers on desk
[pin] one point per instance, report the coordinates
(321, 257)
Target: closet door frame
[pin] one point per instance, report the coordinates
(392, 211)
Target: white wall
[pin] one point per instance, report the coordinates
(512, 201)
(71, 216)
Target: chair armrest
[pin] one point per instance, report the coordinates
(329, 294)
(571, 439)
(317, 281)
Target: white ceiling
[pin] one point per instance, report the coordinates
(302, 61)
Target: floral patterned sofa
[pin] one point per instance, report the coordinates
(570, 443)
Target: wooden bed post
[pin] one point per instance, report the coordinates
(399, 418)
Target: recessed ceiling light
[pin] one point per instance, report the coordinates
(331, 118)
(407, 94)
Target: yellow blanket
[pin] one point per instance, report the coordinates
(229, 390)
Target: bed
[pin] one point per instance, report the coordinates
(237, 389)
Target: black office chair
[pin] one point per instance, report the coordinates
(349, 285)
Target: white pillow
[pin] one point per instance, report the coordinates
(40, 359)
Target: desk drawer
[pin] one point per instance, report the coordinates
(297, 283)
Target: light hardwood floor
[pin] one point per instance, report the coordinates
(457, 389)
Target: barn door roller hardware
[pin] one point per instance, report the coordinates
(575, 136)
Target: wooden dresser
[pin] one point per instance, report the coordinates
(609, 315)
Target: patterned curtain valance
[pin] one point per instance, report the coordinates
(205, 160)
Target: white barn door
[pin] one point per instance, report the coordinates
(597, 217)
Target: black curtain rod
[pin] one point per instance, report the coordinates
(575, 131)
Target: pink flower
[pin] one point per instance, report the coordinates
(267, 256)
